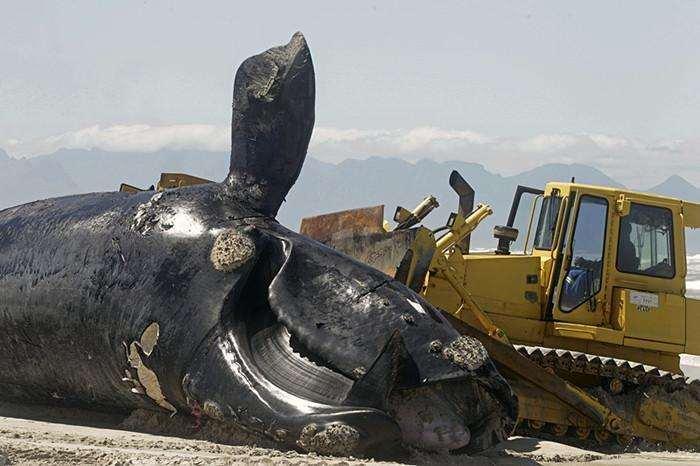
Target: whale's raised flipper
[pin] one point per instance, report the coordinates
(273, 117)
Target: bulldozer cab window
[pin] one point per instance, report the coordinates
(584, 277)
(645, 246)
(547, 223)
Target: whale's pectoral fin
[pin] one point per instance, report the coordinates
(273, 117)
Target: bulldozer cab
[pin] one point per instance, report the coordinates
(613, 266)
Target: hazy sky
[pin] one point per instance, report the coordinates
(510, 84)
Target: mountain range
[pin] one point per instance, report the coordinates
(322, 187)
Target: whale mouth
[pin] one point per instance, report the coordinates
(274, 354)
(434, 417)
(324, 362)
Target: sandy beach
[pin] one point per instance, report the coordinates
(49, 436)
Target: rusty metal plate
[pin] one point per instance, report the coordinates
(335, 226)
(178, 180)
(383, 250)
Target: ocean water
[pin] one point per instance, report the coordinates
(690, 364)
(692, 281)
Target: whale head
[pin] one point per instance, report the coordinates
(315, 349)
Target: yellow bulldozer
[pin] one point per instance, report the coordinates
(587, 321)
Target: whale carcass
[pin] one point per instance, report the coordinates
(196, 298)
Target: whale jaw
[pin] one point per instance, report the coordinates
(287, 360)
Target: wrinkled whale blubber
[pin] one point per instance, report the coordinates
(197, 299)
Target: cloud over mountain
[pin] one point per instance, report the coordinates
(633, 162)
(129, 138)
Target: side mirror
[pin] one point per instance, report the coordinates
(505, 235)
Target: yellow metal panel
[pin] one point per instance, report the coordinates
(654, 345)
(178, 180)
(440, 293)
(691, 214)
(692, 315)
(581, 332)
(663, 320)
(584, 332)
(565, 188)
(505, 284)
(535, 403)
(523, 331)
(617, 309)
(127, 188)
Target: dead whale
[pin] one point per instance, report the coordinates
(197, 297)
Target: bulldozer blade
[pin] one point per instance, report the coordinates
(338, 225)
(416, 261)
(127, 188)
(359, 233)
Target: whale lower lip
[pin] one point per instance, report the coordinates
(428, 421)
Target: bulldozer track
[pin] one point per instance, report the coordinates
(616, 377)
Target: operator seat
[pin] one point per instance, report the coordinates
(627, 259)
